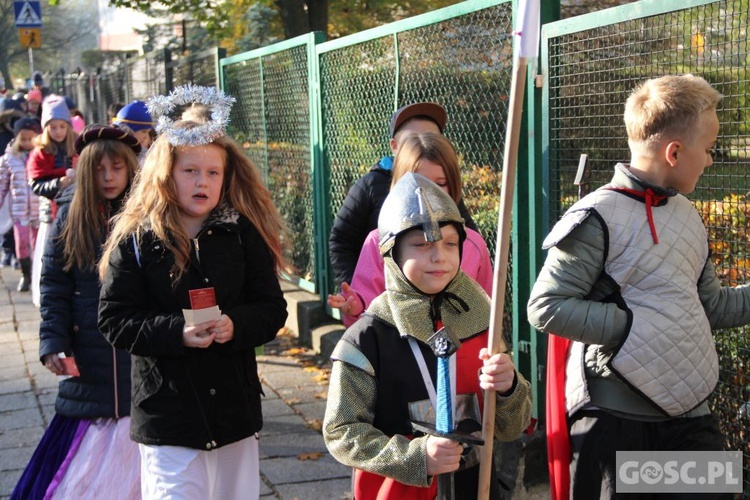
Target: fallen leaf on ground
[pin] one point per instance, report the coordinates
(296, 351)
(315, 424)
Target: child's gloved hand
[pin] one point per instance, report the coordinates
(443, 455)
(348, 301)
(498, 372)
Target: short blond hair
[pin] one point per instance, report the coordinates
(667, 107)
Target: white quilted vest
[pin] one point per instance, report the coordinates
(669, 354)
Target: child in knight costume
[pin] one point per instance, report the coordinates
(629, 279)
(385, 366)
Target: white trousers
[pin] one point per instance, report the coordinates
(36, 265)
(177, 473)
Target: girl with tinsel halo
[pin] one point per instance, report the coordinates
(200, 237)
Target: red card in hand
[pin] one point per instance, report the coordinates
(202, 298)
(70, 367)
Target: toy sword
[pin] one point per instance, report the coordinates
(444, 344)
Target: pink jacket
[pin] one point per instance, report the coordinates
(24, 204)
(369, 275)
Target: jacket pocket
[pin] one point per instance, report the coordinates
(147, 381)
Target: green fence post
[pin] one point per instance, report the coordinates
(320, 175)
(529, 223)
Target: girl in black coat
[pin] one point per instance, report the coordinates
(199, 226)
(86, 451)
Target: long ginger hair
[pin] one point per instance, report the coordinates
(153, 204)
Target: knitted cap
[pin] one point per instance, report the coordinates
(78, 123)
(54, 108)
(136, 116)
(37, 78)
(70, 103)
(34, 95)
(27, 123)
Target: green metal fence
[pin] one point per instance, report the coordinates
(590, 64)
(275, 123)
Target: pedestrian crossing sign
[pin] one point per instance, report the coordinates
(28, 13)
(30, 38)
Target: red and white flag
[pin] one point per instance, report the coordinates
(526, 36)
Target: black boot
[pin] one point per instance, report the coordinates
(23, 285)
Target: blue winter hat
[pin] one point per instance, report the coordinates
(9, 103)
(69, 102)
(27, 123)
(136, 116)
(37, 78)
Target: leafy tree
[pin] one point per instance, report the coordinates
(179, 36)
(259, 26)
(257, 22)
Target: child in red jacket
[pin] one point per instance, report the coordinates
(49, 170)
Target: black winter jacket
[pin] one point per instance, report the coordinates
(358, 216)
(69, 304)
(196, 398)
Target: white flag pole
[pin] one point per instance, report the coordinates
(526, 43)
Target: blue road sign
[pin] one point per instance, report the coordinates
(28, 13)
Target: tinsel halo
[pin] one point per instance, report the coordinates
(219, 103)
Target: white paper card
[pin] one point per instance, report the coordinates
(197, 316)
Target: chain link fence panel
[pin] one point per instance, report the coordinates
(271, 121)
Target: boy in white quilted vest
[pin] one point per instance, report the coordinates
(629, 281)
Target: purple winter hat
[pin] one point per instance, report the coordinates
(55, 108)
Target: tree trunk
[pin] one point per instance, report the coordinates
(317, 11)
(5, 72)
(294, 17)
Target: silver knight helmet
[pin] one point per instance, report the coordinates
(416, 201)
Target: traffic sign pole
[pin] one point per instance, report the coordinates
(31, 61)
